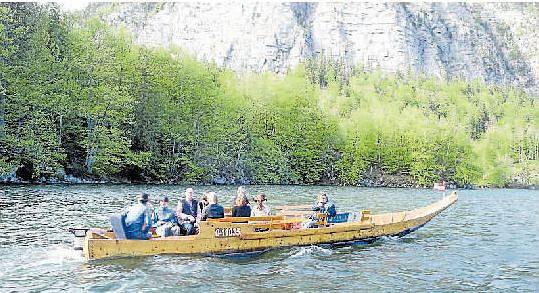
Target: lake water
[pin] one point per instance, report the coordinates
(488, 241)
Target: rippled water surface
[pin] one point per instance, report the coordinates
(488, 241)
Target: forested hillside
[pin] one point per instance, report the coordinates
(82, 101)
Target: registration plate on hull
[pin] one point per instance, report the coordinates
(227, 232)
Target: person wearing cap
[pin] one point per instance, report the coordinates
(242, 207)
(165, 219)
(260, 209)
(187, 211)
(138, 220)
(214, 210)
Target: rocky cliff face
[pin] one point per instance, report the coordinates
(498, 43)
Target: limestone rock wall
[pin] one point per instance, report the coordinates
(498, 43)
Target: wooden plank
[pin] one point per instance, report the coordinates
(247, 219)
(304, 207)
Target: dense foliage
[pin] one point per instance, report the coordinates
(83, 100)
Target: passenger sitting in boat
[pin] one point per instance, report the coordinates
(239, 193)
(138, 219)
(187, 211)
(165, 218)
(203, 203)
(323, 206)
(213, 210)
(260, 209)
(242, 207)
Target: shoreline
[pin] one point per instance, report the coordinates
(102, 182)
(371, 180)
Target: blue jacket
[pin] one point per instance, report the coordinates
(164, 215)
(328, 208)
(135, 217)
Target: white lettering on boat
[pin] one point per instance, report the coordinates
(227, 232)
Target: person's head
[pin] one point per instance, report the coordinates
(241, 191)
(143, 198)
(212, 198)
(242, 200)
(204, 197)
(163, 201)
(189, 194)
(322, 197)
(260, 199)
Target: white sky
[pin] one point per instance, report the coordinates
(72, 5)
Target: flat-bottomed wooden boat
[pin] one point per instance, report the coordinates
(242, 235)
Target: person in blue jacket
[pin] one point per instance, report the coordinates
(138, 219)
(323, 206)
(214, 210)
(165, 219)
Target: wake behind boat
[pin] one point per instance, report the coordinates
(248, 234)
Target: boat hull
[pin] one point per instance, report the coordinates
(247, 239)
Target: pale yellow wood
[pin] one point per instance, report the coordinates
(303, 207)
(280, 235)
(243, 219)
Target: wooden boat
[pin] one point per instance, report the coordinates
(241, 235)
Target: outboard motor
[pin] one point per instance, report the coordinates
(80, 234)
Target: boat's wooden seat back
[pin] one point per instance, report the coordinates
(366, 216)
(303, 207)
(228, 211)
(216, 228)
(322, 219)
(247, 219)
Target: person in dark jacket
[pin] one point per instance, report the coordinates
(242, 207)
(213, 210)
(323, 206)
(186, 211)
(165, 219)
(138, 219)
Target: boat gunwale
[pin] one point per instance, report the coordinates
(412, 220)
